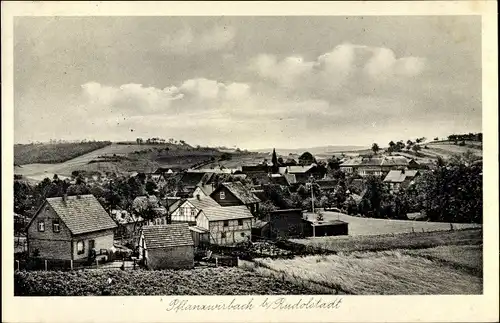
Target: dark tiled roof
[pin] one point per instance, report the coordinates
(192, 178)
(241, 192)
(82, 214)
(255, 168)
(167, 236)
(280, 180)
(221, 213)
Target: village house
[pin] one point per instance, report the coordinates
(69, 227)
(188, 183)
(167, 246)
(187, 209)
(234, 194)
(302, 174)
(225, 226)
(397, 179)
(373, 166)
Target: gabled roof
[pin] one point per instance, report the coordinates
(296, 169)
(203, 202)
(81, 214)
(398, 176)
(221, 213)
(167, 236)
(207, 189)
(240, 192)
(172, 207)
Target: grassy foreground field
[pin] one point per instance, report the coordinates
(417, 240)
(373, 273)
(201, 281)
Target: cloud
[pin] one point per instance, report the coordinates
(203, 88)
(186, 41)
(345, 66)
(135, 99)
(131, 97)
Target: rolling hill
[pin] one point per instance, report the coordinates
(121, 158)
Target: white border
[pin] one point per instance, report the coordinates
(354, 308)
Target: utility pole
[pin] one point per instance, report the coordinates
(312, 194)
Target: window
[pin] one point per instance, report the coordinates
(243, 234)
(223, 235)
(55, 226)
(240, 222)
(80, 247)
(193, 212)
(226, 223)
(222, 195)
(41, 226)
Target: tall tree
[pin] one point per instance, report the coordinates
(306, 159)
(375, 148)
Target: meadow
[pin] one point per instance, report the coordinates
(394, 272)
(417, 240)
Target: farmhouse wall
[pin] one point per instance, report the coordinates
(181, 257)
(230, 234)
(50, 249)
(50, 244)
(103, 240)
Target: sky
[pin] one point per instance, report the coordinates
(250, 82)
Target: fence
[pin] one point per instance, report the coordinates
(67, 265)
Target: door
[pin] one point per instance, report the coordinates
(91, 244)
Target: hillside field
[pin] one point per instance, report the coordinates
(122, 158)
(54, 153)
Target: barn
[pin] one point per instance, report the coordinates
(168, 246)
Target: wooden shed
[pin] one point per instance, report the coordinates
(167, 246)
(325, 228)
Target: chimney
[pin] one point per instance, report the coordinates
(402, 171)
(64, 198)
(78, 196)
